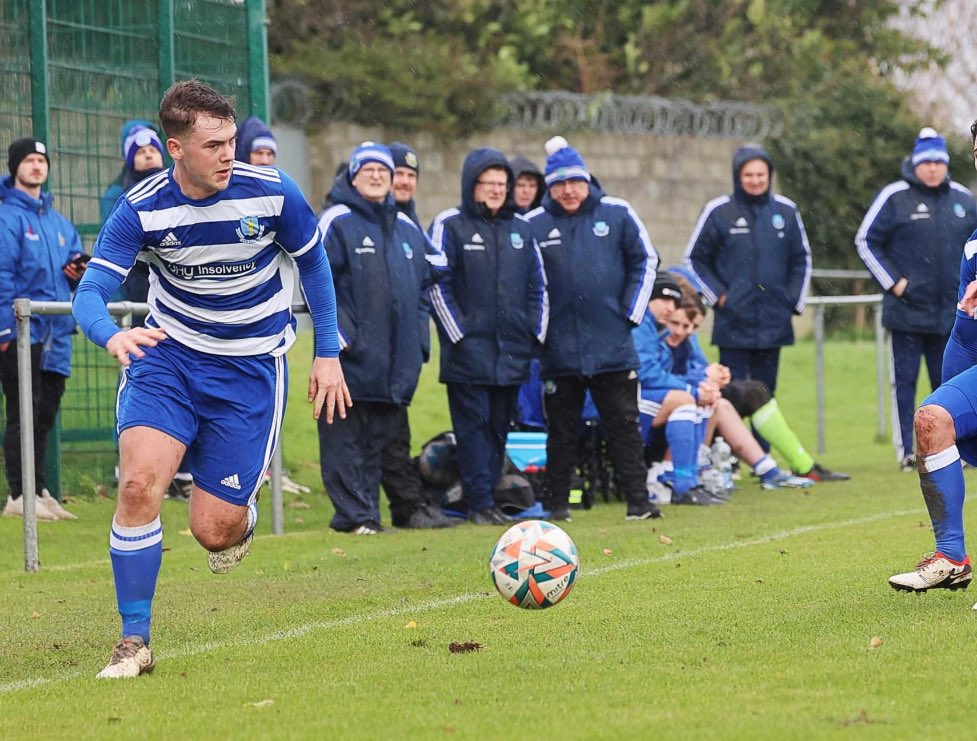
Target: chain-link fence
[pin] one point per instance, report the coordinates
(72, 72)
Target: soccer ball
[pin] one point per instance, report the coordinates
(534, 564)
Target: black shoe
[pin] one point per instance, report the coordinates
(487, 516)
(697, 495)
(179, 490)
(560, 514)
(820, 473)
(428, 518)
(643, 511)
(907, 464)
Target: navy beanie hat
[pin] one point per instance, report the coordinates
(563, 162)
(930, 147)
(405, 156)
(370, 152)
(21, 148)
(666, 287)
(139, 137)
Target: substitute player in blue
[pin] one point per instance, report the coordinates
(206, 375)
(946, 432)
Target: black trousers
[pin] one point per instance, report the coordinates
(399, 476)
(616, 397)
(47, 389)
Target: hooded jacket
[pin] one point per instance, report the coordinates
(128, 177)
(523, 166)
(382, 264)
(500, 310)
(35, 244)
(600, 268)
(754, 250)
(249, 130)
(917, 232)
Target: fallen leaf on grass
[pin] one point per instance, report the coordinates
(464, 648)
(299, 521)
(862, 718)
(875, 642)
(299, 504)
(339, 552)
(260, 703)
(35, 614)
(411, 625)
(664, 539)
(607, 552)
(186, 532)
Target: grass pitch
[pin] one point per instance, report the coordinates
(768, 617)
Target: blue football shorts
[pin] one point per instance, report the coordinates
(958, 396)
(227, 410)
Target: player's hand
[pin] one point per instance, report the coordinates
(968, 303)
(126, 345)
(708, 393)
(718, 374)
(73, 271)
(328, 390)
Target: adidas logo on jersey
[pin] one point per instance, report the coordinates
(367, 242)
(553, 233)
(170, 240)
(922, 212)
(741, 221)
(922, 207)
(232, 481)
(740, 226)
(477, 239)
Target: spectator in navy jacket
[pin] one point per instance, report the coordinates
(527, 193)
(600, 269)
(911, 240)
(381, 263)
(40, 259)
(490, 333)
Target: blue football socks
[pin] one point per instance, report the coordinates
(680, 432)
(137, 553)
(941, 481)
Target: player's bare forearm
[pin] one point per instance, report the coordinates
(328, 390)
(127, 344)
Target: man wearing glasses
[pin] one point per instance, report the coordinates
(382, 265)
(489, 332)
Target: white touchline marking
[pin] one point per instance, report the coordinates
(301, 630)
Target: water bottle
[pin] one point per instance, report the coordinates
(721, 459)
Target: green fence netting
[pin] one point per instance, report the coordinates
(71, 73)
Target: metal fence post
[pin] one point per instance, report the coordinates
(819, 372)
(880, 384)
(22, 310)
(277, 500)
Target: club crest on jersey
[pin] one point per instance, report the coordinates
(778, 221)
(408, 252)
(516, 240)
(959, 210)
(249, 229)
(30, 234)
(601, 229)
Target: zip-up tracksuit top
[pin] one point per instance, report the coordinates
(382, 265)
(753, 249)
(600, 268)
(490, 331)
(919, 233)
(35, 243)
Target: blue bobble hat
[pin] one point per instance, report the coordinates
(139, 137)
(930, 147)
(370, 152)
(563, 162)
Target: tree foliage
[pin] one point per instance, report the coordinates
(827, 65)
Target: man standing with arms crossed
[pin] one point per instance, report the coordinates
(218, 236)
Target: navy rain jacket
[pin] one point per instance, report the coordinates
(600, 269)
(382, 265)
(753, 249)
(918, 232)
(490, 331)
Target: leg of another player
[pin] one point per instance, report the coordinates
(217, 525)
(148, 458)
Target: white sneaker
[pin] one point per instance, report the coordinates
(223, 561)
(53, 506)
(784, 480)
(934, 572)
(130, 658)
(15, 508)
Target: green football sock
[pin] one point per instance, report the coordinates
(769, 421)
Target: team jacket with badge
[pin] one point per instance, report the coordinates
(35, 242)
(380, 264)
(753, 249)
(500, 309)
(600, 269)
(917, 232)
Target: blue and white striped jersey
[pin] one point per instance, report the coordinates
(221, 279)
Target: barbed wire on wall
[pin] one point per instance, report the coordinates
(640, 114)
(295, 102)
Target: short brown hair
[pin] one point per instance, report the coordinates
(188, 99)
